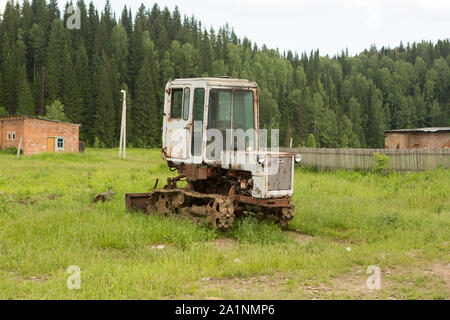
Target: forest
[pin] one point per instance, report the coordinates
(317, 101)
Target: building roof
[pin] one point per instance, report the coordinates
(20, 116)
(428, 130)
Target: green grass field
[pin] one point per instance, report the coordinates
(344, 223)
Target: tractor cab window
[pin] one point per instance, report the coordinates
(219, 113)
(232, 109)
(197, 129)
(176, 103)
(244, 118)
(187, 96)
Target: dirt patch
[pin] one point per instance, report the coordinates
(441, 271)
(225, 243)
(300, 237)
(19, 277)
(245, 287)
(25, 201)
(396, 283)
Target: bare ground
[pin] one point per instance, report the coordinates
(429, 282)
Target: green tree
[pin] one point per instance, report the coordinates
(55, 111)
(70, 91)
(146, 116)
(354, 112)
(311, 142)
(55, 54)
(25, 104)
(327, 129)
(104, 122)
(120, 44)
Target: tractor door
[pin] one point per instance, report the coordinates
(178, 122)
(198, 124)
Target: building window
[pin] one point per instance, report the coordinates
(11, 135)
(60, 143)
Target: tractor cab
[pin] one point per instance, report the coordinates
(203, 117)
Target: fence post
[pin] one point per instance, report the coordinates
(20, 147)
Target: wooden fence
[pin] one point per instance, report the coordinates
(401, 160)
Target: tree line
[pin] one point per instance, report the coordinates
(340, 101)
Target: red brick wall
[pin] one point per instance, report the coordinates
(414, 140)
(37, 131)
(10, 125)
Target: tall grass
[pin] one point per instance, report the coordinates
(48, 222)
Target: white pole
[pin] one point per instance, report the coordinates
(123, 135)
(124, 112)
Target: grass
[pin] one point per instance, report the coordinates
(345, 221)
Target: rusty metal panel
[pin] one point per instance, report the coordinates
(282, 180)
(136, 201)
(270, 203)
(202, 173)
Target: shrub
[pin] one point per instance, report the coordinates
(311, 142)
(10, 151)
(381, 163)
(97, 144)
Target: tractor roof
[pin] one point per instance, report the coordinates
(216, 82)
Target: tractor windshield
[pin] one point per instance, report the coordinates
(233, 109)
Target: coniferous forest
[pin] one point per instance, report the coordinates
(341, 101)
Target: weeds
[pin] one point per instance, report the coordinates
(381, 163)
(47, 223)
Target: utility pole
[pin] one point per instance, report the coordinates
(123, 127)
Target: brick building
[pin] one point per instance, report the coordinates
(421, 138)
(38, 135)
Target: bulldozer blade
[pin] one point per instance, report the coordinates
(137, 201)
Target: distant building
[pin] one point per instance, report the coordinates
(421, 138)
(38, 135)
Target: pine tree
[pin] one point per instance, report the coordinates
(146, 116)
(104, 123)
(354, 112)
(84, 81)
(25, 104)
(9, 78)
(55, 53)
(119, 44)
(37, 49)
(70, 90)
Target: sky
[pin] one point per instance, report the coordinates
(304, 25)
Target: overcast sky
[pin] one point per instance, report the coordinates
(305, 25)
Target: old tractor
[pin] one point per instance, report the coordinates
(211, 137)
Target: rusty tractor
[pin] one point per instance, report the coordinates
(211, 137)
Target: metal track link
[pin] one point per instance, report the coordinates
(217, 210)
